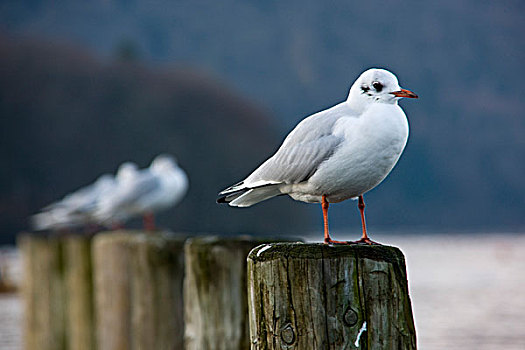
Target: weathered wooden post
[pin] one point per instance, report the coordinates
(138, 290)
(42, 292)
(316, 296)
(78, 292)
(215, 300)
(157, 270)
(112, 283)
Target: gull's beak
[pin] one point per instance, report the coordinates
(404, 93)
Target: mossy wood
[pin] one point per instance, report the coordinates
(216, 308)
(316, 296)
(138, 287)
(42, 292)
(157, 269)
(80, 327)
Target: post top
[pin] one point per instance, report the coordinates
(272, 251)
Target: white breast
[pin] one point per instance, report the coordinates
(373, 144)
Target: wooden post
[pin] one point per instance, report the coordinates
(138, 290)
(215, 301)
(112, 283)
(42, 292)
(316, 296)
(80, 327)
(157, 270)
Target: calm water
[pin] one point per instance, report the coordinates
(468, 292)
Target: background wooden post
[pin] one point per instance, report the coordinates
(157, 270)
(80, 326)
(315, 296)
(138, 290)
(43, 292)
(112, 283)
(215, 301)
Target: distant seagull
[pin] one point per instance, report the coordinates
(104, 212)
(336, 154)
(144, 192)
(75, 209)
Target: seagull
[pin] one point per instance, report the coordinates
(104, 211)
(337, 154)
(143, 192)
(75, 209)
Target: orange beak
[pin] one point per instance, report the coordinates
(404, 93)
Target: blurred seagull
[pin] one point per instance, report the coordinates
(336, 154)
(75, 209)
(103, 212)
(143, 192)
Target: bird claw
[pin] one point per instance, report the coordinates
(365, 241)
(361, 241)
(331, 241)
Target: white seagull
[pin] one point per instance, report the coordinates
(144, 192)
(336, 154)
(75, 209)
(105, 211)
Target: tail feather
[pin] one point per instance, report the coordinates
(242, 195)
(41, 221)
(255, 195)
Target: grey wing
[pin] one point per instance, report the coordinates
(304, 149)
(71, 200)
(302, 152)
(141, 187)
(294, 162)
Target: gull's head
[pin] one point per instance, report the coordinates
(127, 171)
(377, 86)
(163, 162)
(104, 180)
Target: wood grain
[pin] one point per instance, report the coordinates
(316, 296)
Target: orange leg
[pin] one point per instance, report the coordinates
(361, 206)
(324, 205)
(148, 221)
(364, 237)
(327, 239)
(117, 225)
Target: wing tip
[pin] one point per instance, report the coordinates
(229, 194)
(222, 199)
(226, 197)
(232, 188)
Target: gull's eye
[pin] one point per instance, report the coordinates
(377, 85)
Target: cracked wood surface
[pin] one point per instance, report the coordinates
(315, 296)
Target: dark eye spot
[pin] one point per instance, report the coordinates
(365, 88)
(378, 86)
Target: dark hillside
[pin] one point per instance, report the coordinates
(66, 118)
